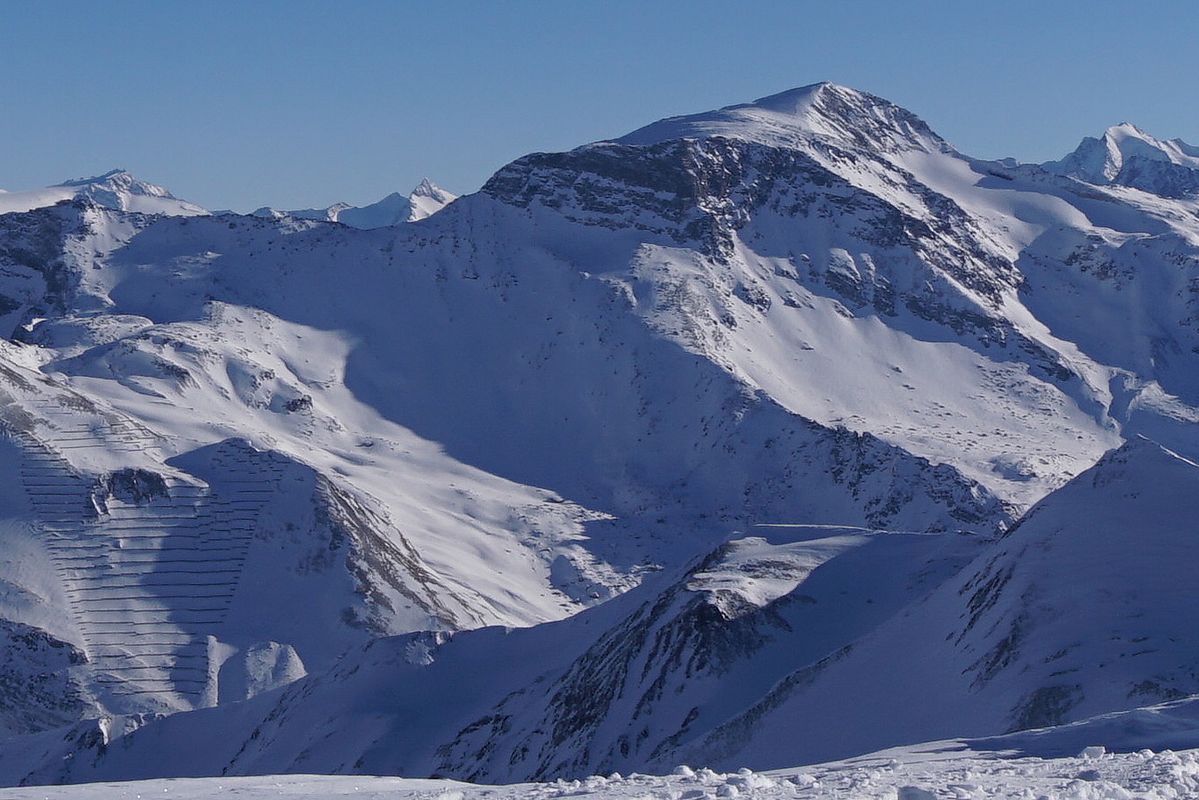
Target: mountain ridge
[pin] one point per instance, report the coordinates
(425, 200)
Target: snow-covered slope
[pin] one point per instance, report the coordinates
(621, 686)
(425, 200)
(198, 335)
(116, 189)
(1083, 608)
(763, 653)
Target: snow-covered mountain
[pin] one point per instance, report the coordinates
(425, 200)
(706, 443)
(1127, 156)
(117, 189)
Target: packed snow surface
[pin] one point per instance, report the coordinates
(1093, 774)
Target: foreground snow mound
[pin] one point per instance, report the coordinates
(1090, 775)
(118, 190)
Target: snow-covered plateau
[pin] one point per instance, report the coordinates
(771, 436)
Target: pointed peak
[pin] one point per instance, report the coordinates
(426, 188)
(267, 212)
(1123, 127)
(1127, 155)
(1127, 130)
(427, 199)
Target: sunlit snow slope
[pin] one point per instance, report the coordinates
(239, 447)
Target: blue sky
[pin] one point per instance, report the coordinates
(298, 103)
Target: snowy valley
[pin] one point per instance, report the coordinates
(772, 436)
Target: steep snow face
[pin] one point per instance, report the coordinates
(425, 200)
(833, 283)
(118, 190)
(1059, 620)
(155, 573)
(1127, 156)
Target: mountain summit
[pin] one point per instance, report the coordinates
(1127, 156)
(823, 110)
(116, 189)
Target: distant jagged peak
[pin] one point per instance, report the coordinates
(426, 188)
(121, 179)
(425, 200)
(1129, 140)
(1126, 155)
(828, 111)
